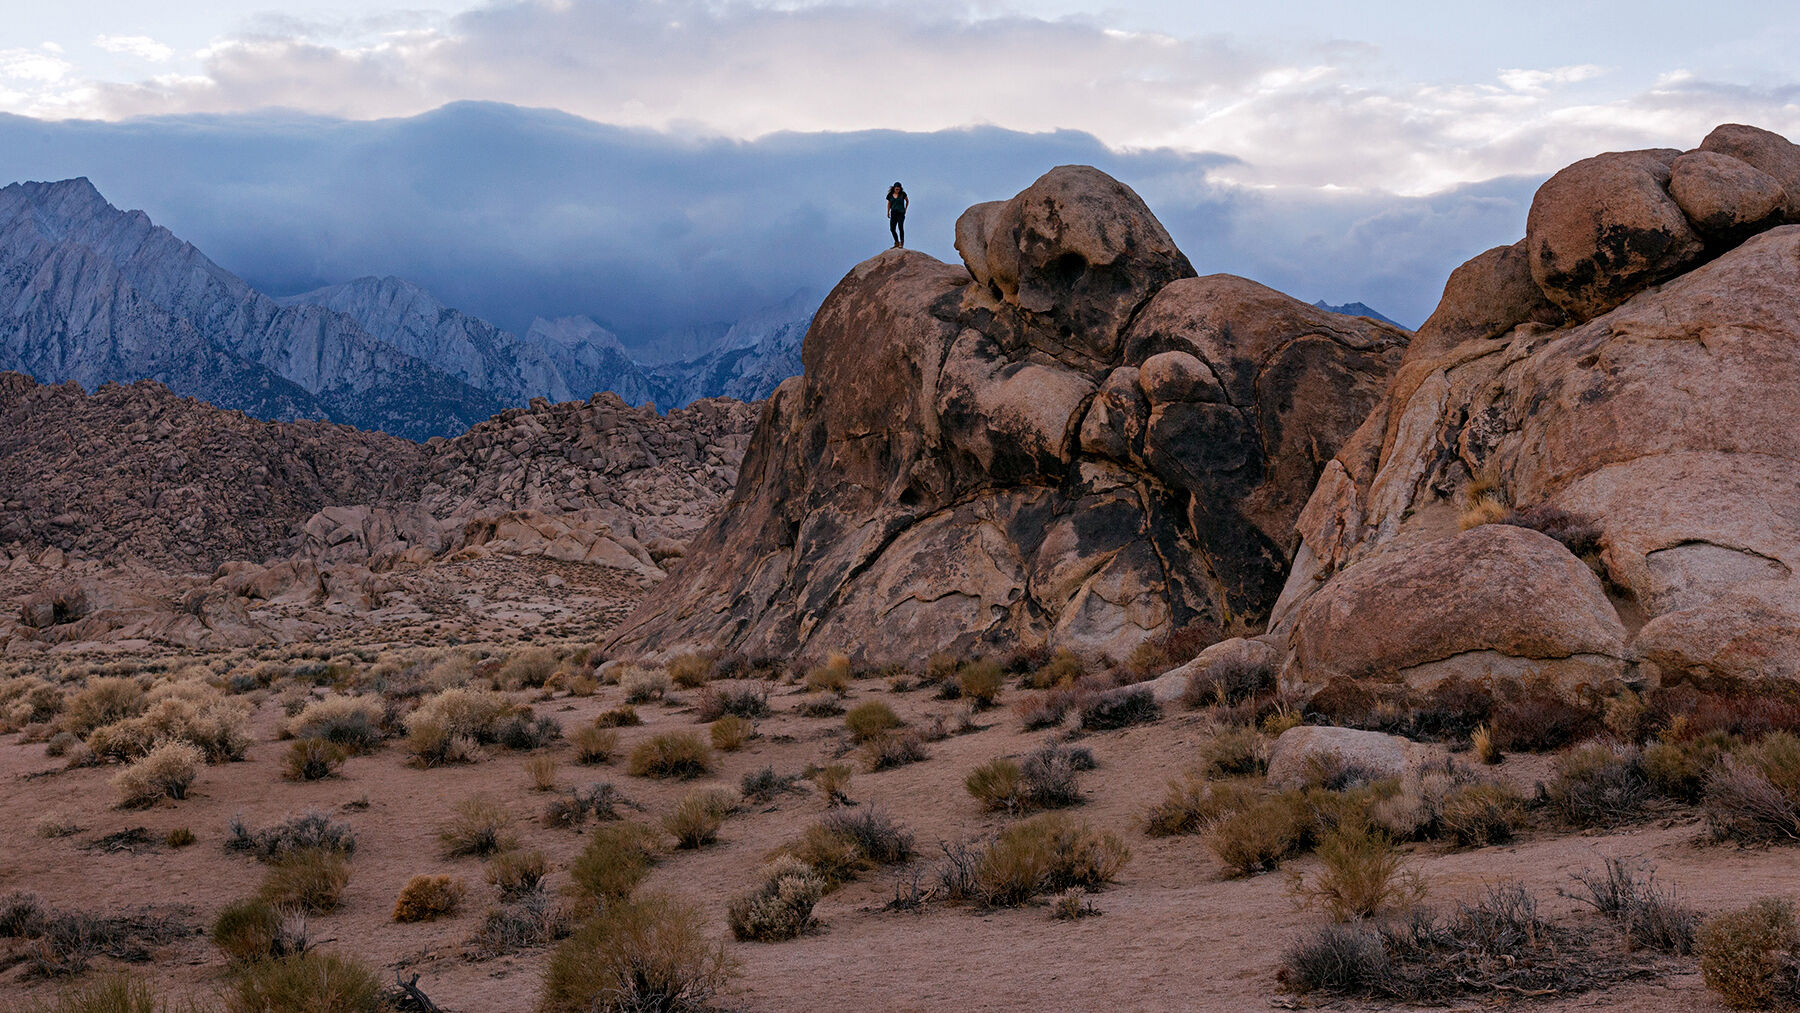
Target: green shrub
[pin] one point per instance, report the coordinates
(1749, 956)
(1753, 795)
(528, 669)
(833, 782)
(1477, 815)
(893, 749)
(1361, 876)
(625, 716)
(310, 982)
(1063, 669)
(820, 705)
(869, 719)
(845, 843)
(1119, 708)
(516, 873)
(541, 771)
(1046, 853)
(642, 685)
(646, 954)
(980, 682)
(101, 701)
(1599, 784)
(831, 677)
(745, 701)
(690, 671)
(249, 931)
(616, 859)
(313, 830)
(997, 784)
(426, 897)
(1190, 804)
(1257, 836)
(352, 722)
(763, 785)
(681, 755)
(594, 744)
(1232, 750)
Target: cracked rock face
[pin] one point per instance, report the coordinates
(1067, 440)
(1664, 426)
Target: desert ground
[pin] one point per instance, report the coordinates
(1175, 931)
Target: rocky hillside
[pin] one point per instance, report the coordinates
(1618, 391)
(1066, 439)
(183, 485)
(137, 470)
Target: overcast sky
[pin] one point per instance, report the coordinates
(1370, 112)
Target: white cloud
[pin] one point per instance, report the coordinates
(1309, 115)
(40, 66)
(141, 46)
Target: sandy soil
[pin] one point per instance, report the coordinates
(1173, 934)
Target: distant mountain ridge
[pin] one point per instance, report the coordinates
(93, 294)
(1358, 309)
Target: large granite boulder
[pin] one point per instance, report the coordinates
(1655, 440)
(1765, 150)
(1484, 300)
(1605, 228)
(1497, 599)
(1067, 440)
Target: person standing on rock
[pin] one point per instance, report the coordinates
(897, 201)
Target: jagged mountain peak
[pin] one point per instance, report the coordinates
(96, 294)
(572, 332)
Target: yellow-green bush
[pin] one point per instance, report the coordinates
(1748, 956)
(615, 860)
(869, 719)
(644, 954)
(681, 755)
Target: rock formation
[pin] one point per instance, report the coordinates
(1068, 439)
(1625, 382)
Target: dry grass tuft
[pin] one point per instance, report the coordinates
(477, 827)
(682, 755)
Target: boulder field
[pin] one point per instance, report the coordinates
(1583, 467)
(1067, 440)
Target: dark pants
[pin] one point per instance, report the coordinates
(897, 227)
